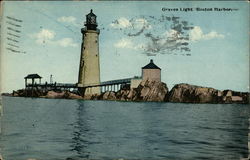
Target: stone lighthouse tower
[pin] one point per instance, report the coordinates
(89, 69)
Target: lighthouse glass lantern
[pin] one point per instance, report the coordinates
(91, 23)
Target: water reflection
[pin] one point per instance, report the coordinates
(113, 130)
(80, 132)
(1, 113)
(236, 127)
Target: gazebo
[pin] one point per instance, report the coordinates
(33, 77)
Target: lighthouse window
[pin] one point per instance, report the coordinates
(95, 41)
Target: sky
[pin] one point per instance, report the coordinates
(205, 48)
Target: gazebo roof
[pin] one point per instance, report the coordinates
(32, 76)
(151, 65)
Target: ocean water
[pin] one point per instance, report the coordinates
(51, 129)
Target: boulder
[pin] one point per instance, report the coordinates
(146, 91)
(186, 93)
(28, 93)
(152, 91)
(108, 96)
(194, 94)
(63, 94)
(230, 96)
(73, 96)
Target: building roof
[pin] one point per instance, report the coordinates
(31, 76)
(151, 65)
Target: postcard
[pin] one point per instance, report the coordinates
(124, 80)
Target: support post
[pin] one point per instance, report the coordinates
(25, 82)
(32, 87)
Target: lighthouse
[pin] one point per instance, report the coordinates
(89, 69)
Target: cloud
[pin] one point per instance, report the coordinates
(148, 31)
(165, 43)
(168, 42)
(127, 43)
(140, 23)
(69, 19)
(132, 27)
(46, 36)
(135, 26)
(178, 34)
(171, 33)
(66, 42)
(197, 34)
(139, 26)
(43, 35)
(121, 23)
(124, 43)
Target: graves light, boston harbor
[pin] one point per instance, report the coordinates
(89, 68)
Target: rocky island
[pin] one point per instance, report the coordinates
(148, 88)
(151, 91)
(180, 93)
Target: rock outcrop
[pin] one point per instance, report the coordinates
(229, 96)
(180, 93)
(28, 93)
(185, 93)
(146, 91)
(45, 94)
(151, 91)
(63, 94)
(107, 96)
